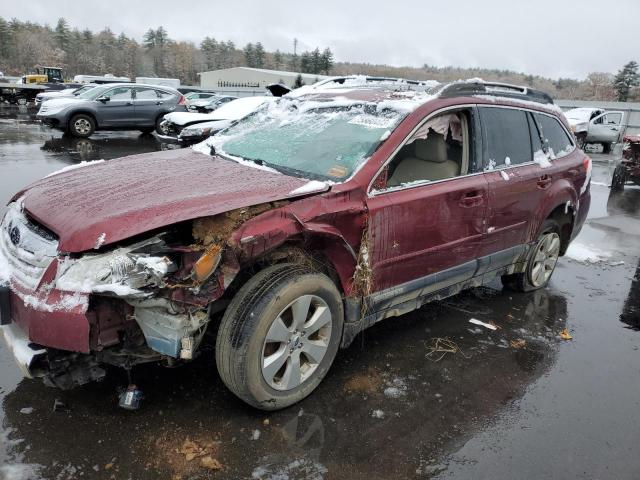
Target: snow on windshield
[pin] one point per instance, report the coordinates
(326, 140)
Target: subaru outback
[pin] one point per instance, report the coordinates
(289, 233)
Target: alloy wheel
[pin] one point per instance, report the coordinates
(296, 342)
(545, 259)
(82, 126)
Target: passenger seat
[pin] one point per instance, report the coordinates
(430, 162)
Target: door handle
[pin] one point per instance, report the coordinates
(159, 103)
(471, 199)
(129, 104)
(544, 181)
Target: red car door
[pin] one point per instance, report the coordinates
(516, 184)
(424, 233)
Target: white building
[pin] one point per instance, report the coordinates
(246, 81)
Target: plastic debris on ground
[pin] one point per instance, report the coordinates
(565, 335)
(490, 326)
(131, 398)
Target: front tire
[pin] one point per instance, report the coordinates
(82, 125)
(160, 128)
(541, 263)
(279, 336)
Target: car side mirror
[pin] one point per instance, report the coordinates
(103, 99)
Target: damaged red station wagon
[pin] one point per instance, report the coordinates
(290, 232)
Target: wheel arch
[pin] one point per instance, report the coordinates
(560, 205)
(83, 112)
(287, 239)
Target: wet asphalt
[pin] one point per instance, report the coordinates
(518, 402)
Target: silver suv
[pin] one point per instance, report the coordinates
(115, 106)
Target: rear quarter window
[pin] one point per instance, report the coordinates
(556, 140)
(506, 138)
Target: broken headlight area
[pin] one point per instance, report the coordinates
(190, 132)
(126, 271)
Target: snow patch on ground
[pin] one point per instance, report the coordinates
(377, 414)
(396, 388)
(75, 166)
(298, 468)
(20, 471)
(586, 253)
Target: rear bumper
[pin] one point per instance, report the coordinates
(24, 352)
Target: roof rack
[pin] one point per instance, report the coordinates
(460, 89)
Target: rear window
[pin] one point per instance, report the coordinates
(163, 94)
(556, 140)
(505, 136)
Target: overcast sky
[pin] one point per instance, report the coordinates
(555, 38)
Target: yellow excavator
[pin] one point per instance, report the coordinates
(48, 75)
(29, 85)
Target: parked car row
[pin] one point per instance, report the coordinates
(302, 223)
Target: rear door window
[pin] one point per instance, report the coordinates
(506, 137)
(120, 93)
(557, 142)
(146, 94)
(164, 95)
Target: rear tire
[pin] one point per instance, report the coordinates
(607, 147)
(619, 178)
(541, 262)
(82, 125)
(279, 336)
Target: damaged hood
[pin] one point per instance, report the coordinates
(107, 202)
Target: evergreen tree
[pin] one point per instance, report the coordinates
(249, 55)
(316, 61)
(62, 34)
(259, 55)
(326, 61)
(277, 60)
(305, 62)
(149, 39)
(5, 38)
(625, 79)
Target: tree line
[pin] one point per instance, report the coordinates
(24, 45)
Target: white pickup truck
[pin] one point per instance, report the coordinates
(596, 125)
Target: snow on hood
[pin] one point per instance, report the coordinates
(233, 110)
(128, 196)
(60, 102)
(215, 124)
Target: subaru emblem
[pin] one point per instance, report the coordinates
(14, 235)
